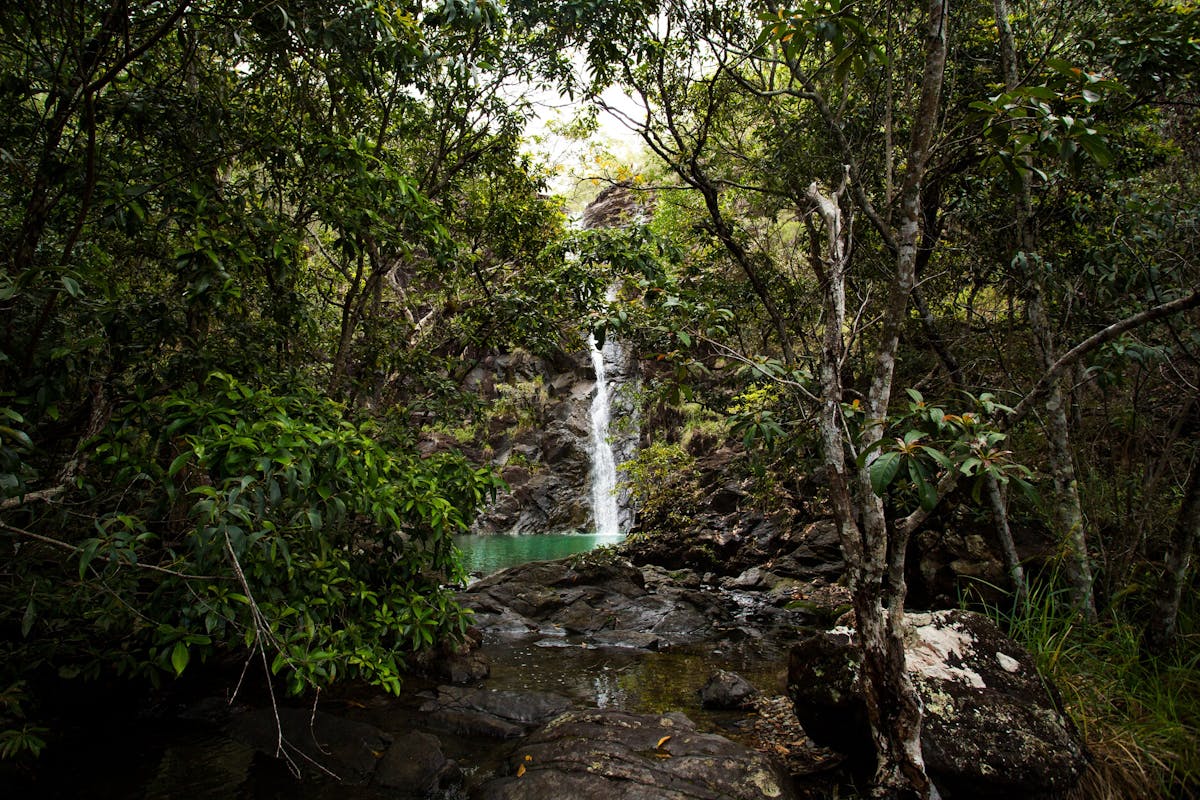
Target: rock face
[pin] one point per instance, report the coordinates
(614, 755)
(992, 729)
(617, 205)
(606, 600)
(541, 445)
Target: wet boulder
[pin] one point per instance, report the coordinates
(607, 754)
(727, 690)
(490, 713)
(416, 766)
(992, 727)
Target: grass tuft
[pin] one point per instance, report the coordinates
(1139, 714)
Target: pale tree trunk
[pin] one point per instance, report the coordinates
(893, 709)
(1176, 565)
(1068, 513)
(1012, 561)
(874, 554)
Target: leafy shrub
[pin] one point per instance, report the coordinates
(271, 523)
(663, 485)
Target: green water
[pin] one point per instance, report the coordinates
(488, 554)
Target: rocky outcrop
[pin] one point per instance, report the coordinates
(613, 755)
(617, 205)
(992, 728)
(605, 599)
(731, 546)
(539, 445)
(490, 713)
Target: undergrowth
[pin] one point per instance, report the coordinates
(1138, 713)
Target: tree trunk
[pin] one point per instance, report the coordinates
(1068, 513)
(1012, 562)
(1067, 509)
(1161, 631)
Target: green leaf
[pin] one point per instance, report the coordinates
(86, 553)
(941, 458)
(178, 463)
(179, 658)
(871, 448)
(883, 471)
(28, 618)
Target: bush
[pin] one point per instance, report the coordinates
(663, 485)
(245, 519)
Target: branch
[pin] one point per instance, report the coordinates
(68, 546)
(1091, 343)
(40, 496)
(951, 478)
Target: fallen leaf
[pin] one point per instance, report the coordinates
(662, 741)
(528, 757)
(520, 770)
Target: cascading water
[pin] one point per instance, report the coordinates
(605, 508)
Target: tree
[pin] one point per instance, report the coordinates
(248, 251)
(786, 122)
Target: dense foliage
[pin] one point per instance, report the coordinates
(248, 252)
(943, 257)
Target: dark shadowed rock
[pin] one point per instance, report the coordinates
(343, 747)
(490, 713)
(992, 728)
(416, 765)
(605, 600)
(613, 755)
(727, 690)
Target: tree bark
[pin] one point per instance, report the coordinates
(1068, 512)
(1012, 561)
(1178, 560)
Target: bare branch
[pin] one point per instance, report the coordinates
(1094, 342)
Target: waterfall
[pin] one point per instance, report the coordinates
(605, 508)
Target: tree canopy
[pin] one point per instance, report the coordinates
(249, 252)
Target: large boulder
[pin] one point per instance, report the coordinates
(329, 743)
(613, 755)
(727, 690)
(490, 713)
(603, 599)
(992, 727)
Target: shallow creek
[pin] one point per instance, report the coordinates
(181, 752)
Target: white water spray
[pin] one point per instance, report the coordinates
(605, 509)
